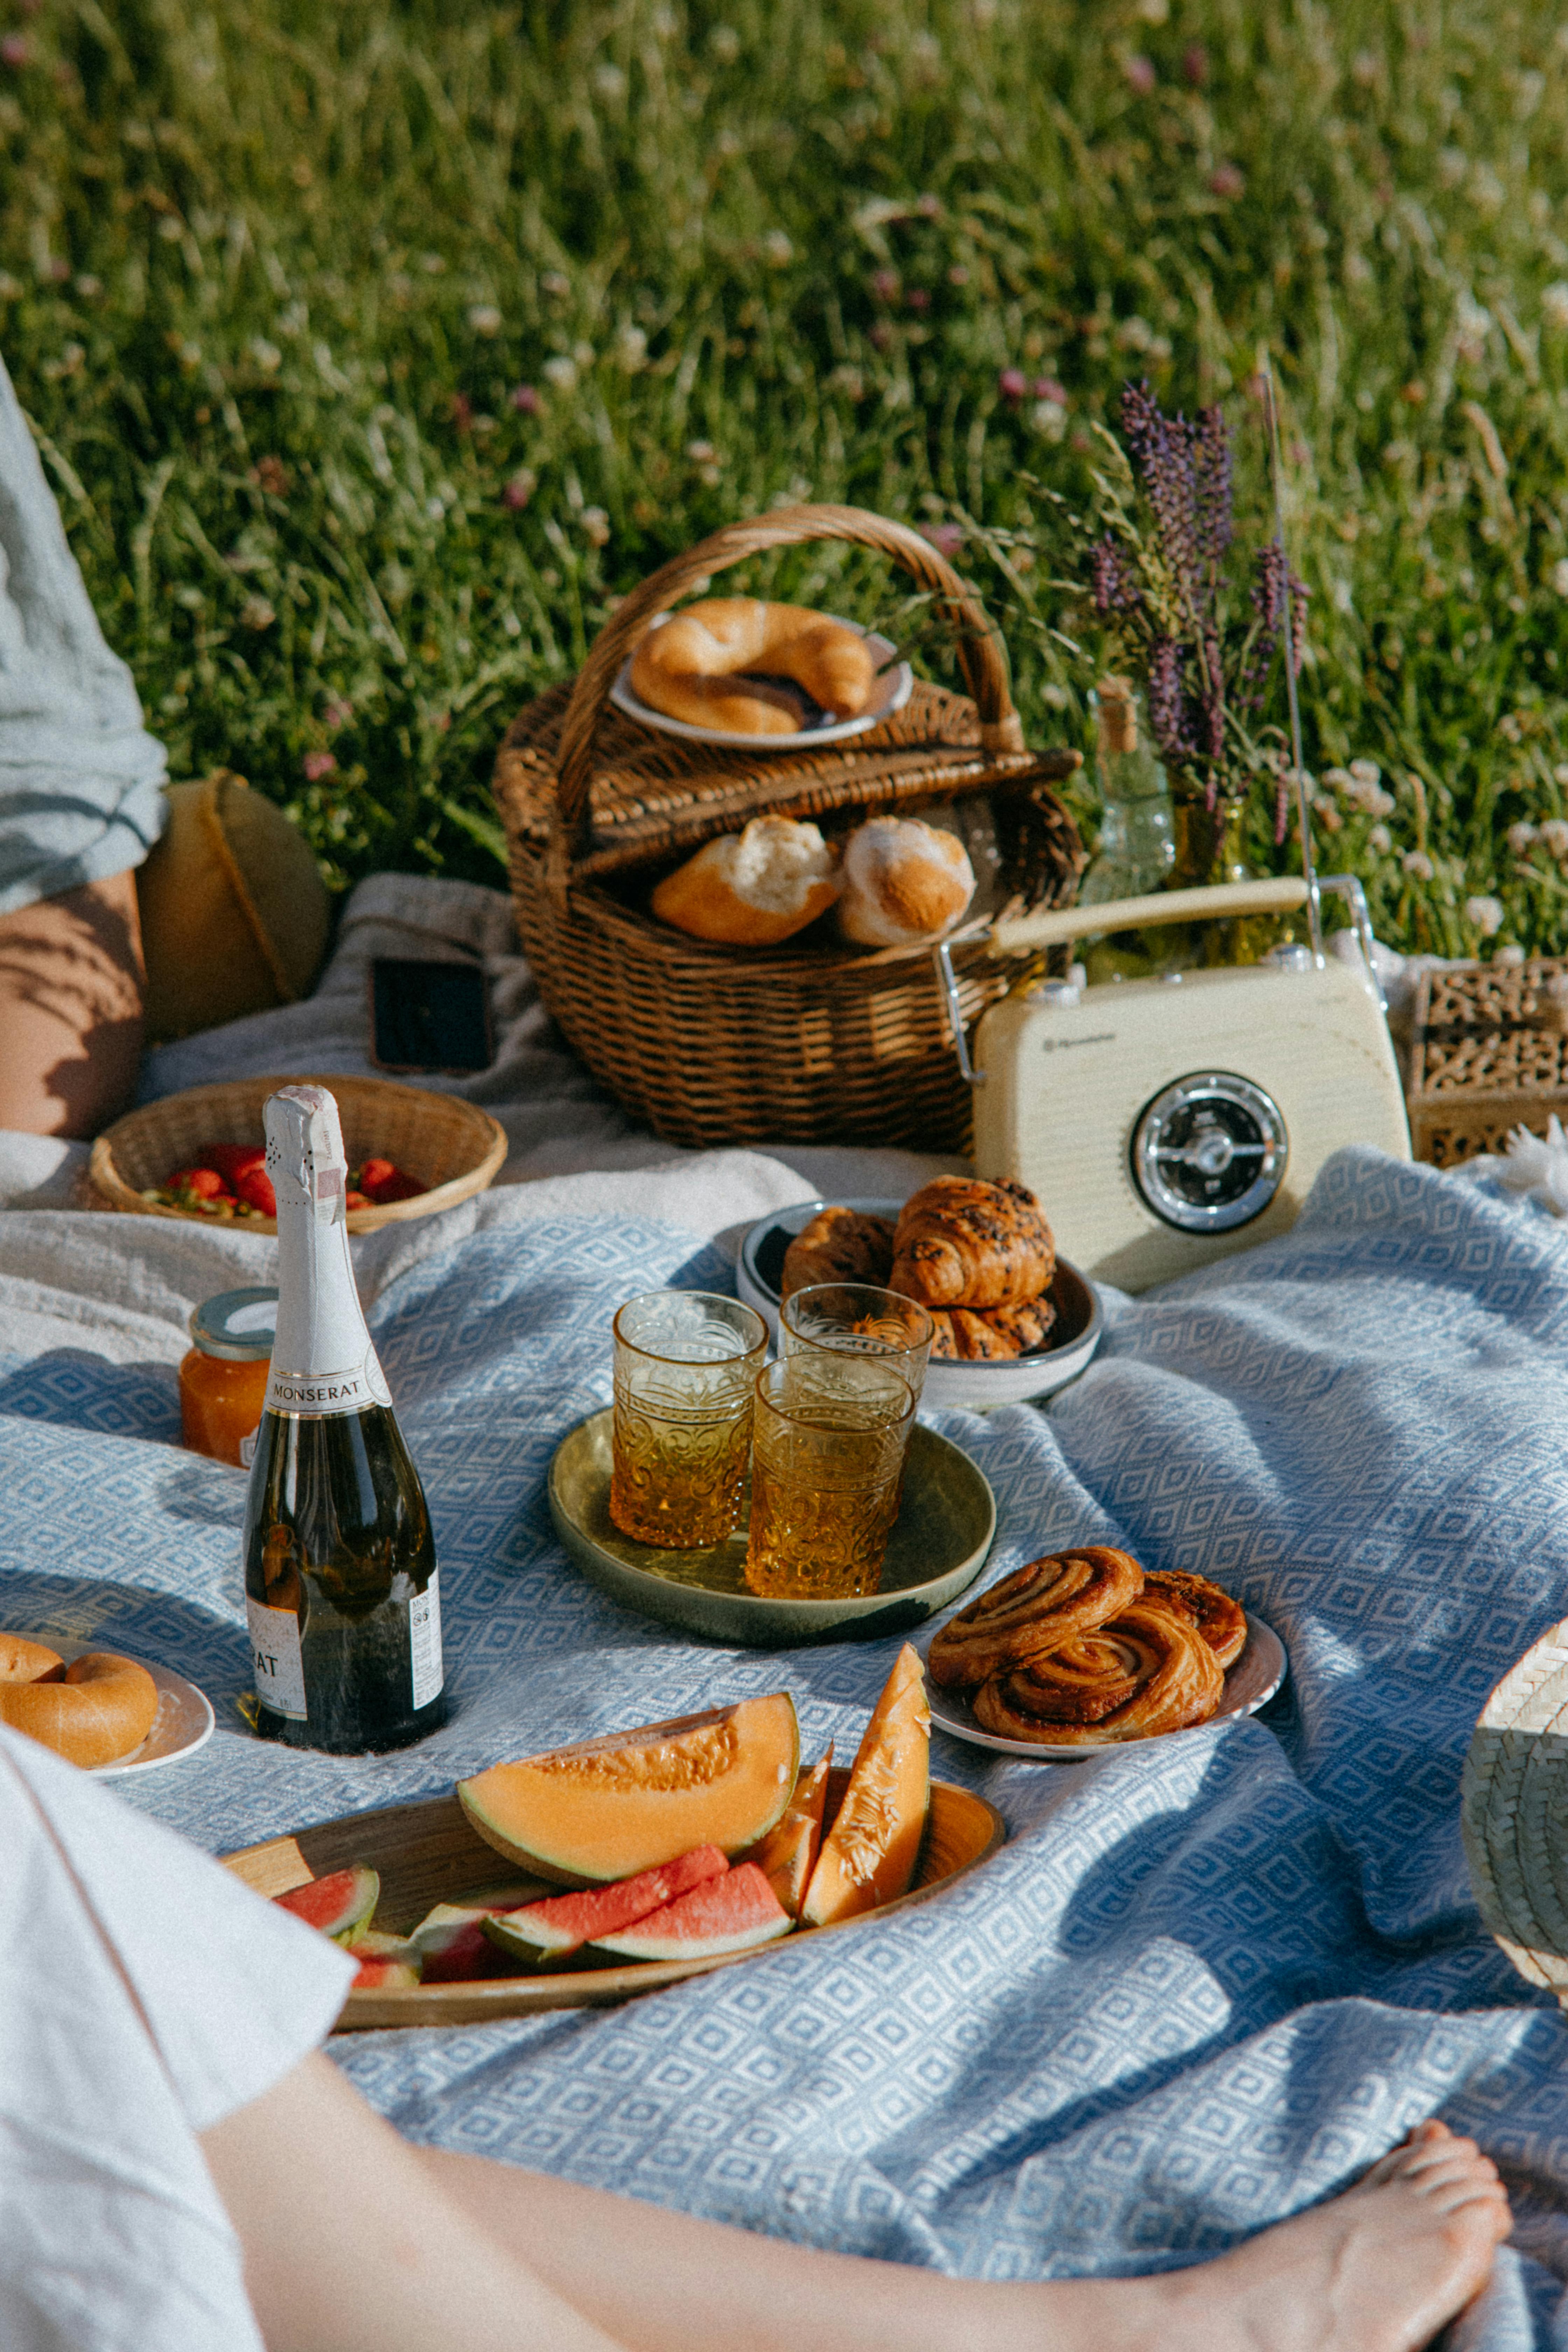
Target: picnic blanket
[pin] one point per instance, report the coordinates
(1204, 1983)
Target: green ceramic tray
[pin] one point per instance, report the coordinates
(938, 1546)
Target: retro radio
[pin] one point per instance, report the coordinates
(1164, 1123)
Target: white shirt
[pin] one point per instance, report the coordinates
(144, 1994)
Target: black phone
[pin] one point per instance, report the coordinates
(428, 1016)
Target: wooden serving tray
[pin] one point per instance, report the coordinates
(427, 1853)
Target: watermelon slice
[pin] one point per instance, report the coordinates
(554, 1929)
(452, 1942)
(339, 1906)
(723, 1914)
(386, 1962)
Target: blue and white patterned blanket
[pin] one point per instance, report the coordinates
(1204, 1983)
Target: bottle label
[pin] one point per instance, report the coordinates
(424, 1641)
(274, 1656)
(314, 1396)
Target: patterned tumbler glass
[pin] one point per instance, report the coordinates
(686, 1365)
(826, 1467)
(858, 1319)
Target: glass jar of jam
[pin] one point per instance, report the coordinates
(223, 1379)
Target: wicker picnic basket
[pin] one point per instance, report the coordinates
(814, 1041)
(1490, 1052)
(452, 1146)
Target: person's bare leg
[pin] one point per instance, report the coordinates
(350, 2243)
(1381, 2269)
(71, 990)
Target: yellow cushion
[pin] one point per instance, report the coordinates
(235, 915)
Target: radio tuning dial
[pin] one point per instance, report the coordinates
(1209, 1152)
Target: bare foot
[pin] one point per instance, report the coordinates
(1381, 2269)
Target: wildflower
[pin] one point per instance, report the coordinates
(958, 275)
(1520, 836)
(1486, 914)
(1380, 839)
(1140, 75)
(885, 285)
(89, 287)
(725, 44)
(1226, 182)
(554, 282)
(1366, 771)
(947, 538)
(484, 318)
(880, 335)
(520, 490)
(1418, 865)
(462, 412)
(1555, 837)
(1195, 65)
(337, 713)
(1013, 384)
(631, 349)
(1560, 576)
(525, 400)
(1047, 388)
(271, 474)
(1336, 778)
(918, 299)
(268, 356)
(1512, 955)
(610, 82)
(701, 453)
(561, 373)
(777, 250)
(929, 206)
(256, 613)
(318, 764)
(1560, 774)
(596, 524)
(16, 51)
(1554, 305)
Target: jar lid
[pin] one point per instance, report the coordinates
(237, 1324)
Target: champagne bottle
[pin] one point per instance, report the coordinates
(340, 1582)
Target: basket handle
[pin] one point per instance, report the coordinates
(980, 650)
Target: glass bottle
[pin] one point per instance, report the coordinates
(341, 1588)
(1137, 849)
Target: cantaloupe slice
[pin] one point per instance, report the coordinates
(869, 1854)
(788, 1855)
(608, 1808)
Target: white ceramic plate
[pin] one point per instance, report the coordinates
(183, 1722)
(1250, 1684)
(893, 688)
(1014, 1379)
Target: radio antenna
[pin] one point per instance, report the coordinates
(1303, 810)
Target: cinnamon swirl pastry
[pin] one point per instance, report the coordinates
(1033, 1609)
(1148, 1670)
(1221, 1620)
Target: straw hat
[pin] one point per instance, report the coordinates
(1514, 1812)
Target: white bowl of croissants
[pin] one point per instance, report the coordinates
(1014, 1319)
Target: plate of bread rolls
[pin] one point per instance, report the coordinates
(1014, 1319)
(761, 676)
(1085, 1649)
(103, 1712)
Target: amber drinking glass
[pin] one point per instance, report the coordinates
(685, 1364)
(858, 1319)
(826, 1467)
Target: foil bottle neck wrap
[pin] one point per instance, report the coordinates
(323, 1358)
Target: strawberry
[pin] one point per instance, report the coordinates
(234, 1160)
(255, 1188)
(204, 1181)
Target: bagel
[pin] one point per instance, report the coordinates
(691, 667)
(98, 1710)
(22, 1661)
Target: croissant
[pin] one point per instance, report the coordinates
(1148, 1671)
(1036, 1609)
(1221, 1620)
(963, 1243)
(693, 667)
(838, 1246)
(962, 1337)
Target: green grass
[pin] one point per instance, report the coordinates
(273, 272)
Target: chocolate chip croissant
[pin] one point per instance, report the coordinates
(1036, 1608)
(1148, 1670)
(963, 1243)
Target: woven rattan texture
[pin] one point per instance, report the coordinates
(1514, 1812)
(1488, 1057)
(651, 796)
(809, 1043)
(450, 1145)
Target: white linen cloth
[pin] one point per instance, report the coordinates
(144, 1995)
(79, 776)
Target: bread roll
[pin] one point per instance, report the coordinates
(904, 883)
(751, 889)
